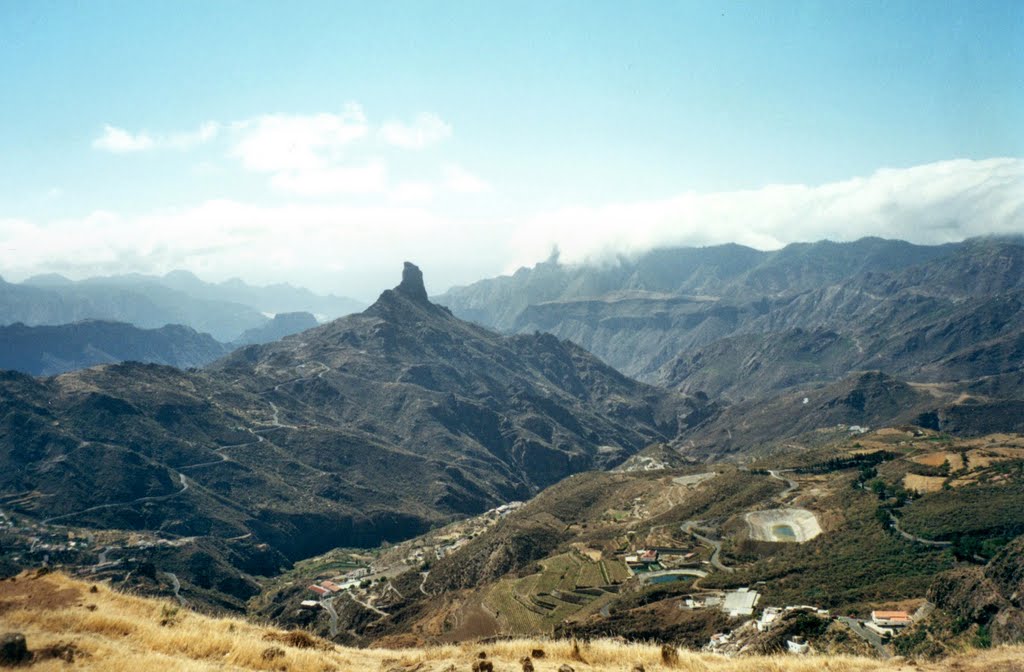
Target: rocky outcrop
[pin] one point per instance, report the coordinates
(967, 594)
(412, 283)
(990, 596)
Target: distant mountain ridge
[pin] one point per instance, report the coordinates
(51, 350)
(283, 324)
(720, 271)
(652, 317)
(223, 310)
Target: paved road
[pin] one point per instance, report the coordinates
(791, 485)
(367, 605)
(328, 604)
(424, 583)
(647, 576)
(870, 637)
(716, 562)
(909, 537)
(223, 458)
(140, 500)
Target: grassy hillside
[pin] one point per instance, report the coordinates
(99, 629)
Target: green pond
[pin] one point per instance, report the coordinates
(783, 533)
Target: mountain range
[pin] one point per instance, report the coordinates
(375, 426)
(878, 298)
(384, 425)
(224, 310)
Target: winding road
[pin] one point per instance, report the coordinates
(368, 606)
(791, 485)
(140, 500)
(920, 540)
(716, 562)
(328, 604)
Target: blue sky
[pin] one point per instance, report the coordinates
(323, 142)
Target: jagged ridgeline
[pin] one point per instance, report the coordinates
(372, 427)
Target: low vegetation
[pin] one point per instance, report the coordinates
(99, 629)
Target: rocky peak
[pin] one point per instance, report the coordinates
(412, 283)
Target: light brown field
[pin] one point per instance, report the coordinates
(114, 632)
(923, 483)
(937, 459)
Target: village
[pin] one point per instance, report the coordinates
(98, 554)
(654, 565)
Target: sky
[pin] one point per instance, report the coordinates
(323, 143)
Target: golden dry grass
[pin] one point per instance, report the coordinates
(114, 632)
(923, 484)
(936, 459)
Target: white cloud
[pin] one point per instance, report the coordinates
(306, 155)
(364, 178)
(282, 143)
(934, 203)
(412, 191)
(307, 243)
(427, 129)
(311, 154)
(120, 141)
(206, 132)
(460, 180)
(302, 243)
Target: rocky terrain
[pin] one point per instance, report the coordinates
(737, 322)
(373, 427)
(840, 433)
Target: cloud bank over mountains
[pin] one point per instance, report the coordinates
(934, 203)
(349, 220)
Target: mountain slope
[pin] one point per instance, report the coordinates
(732, 271)
(371, 427)
(957, 318)
(46, 350)
(894, 305)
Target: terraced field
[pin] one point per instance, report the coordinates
(566, 585)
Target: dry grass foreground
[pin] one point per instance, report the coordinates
(115, 632)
